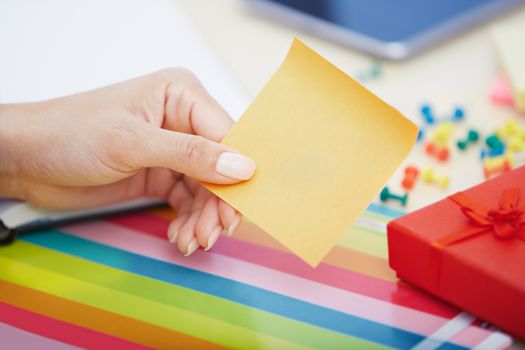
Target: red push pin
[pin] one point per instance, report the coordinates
(411, 174)
(441, 153)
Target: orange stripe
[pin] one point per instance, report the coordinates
(339, 256)
(102, 321)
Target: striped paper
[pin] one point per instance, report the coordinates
(118, 283)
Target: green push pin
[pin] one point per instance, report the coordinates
(472, 137)
(386, 195)
(376, 69)
(494, 142)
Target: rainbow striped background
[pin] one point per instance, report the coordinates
(117, 283)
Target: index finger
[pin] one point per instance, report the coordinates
(189, 108)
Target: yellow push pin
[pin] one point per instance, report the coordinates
(495, 162)
(509, 129)
(429, 176)
(443, 133)
(516, 144)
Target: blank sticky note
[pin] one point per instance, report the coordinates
(324, 147)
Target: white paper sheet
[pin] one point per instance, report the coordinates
(50, 48)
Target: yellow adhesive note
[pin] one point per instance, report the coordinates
(324, 147)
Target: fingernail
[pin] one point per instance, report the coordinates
(172, 236)
(233, 226)
(213, 238)
(192, 247)
(235, 166)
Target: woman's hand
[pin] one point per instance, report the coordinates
(152, 136)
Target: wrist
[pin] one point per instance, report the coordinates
(11, 129)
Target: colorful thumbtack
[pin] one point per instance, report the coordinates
(490, 153)
(472, 137)
(429, 176)
(420, 134)
(494, 142)
(373, 72)
(443, 133)
(441, 153)
(496, 162)
(376, 69)
(516, 144)
(411, 174)
(497, 170)
(459, 115)
(386, 195)
(509, 129)
(426, 113)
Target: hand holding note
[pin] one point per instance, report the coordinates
(323, 144)
(150, 136)
(324, 147)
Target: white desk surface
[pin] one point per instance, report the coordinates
(457, 72)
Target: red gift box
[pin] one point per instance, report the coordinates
(469, 249)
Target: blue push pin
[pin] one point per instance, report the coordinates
(420, 134)
(427, 114)
(459, 115)
(495, 147)
(493, 152)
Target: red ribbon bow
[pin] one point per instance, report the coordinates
(505, 222)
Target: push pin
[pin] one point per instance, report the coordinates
(491, 153)
(459, 115)
(429, 176)
(472, 137)
(376, 69)
(497, 170)
(386, 195)
(420, 134)
(443, 133)
(427, 114)
(494, 143)
(411, 174)
(516, 144)
(510, 129)
(441, 153)
(373, 72)
(496, 162)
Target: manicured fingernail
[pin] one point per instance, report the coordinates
(172, 236)
(213, 237)
(192, 247)
(235, 166)
(233, 226)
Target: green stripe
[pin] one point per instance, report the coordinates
(365, 241)
(183, 298)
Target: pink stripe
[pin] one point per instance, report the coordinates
(466, 335)
(14, 338)
(296, 287)
(399, 294)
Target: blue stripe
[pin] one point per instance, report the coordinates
(386, 211)
(226, 289)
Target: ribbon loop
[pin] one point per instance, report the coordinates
(504, 221)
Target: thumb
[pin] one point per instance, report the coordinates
(195, 156)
